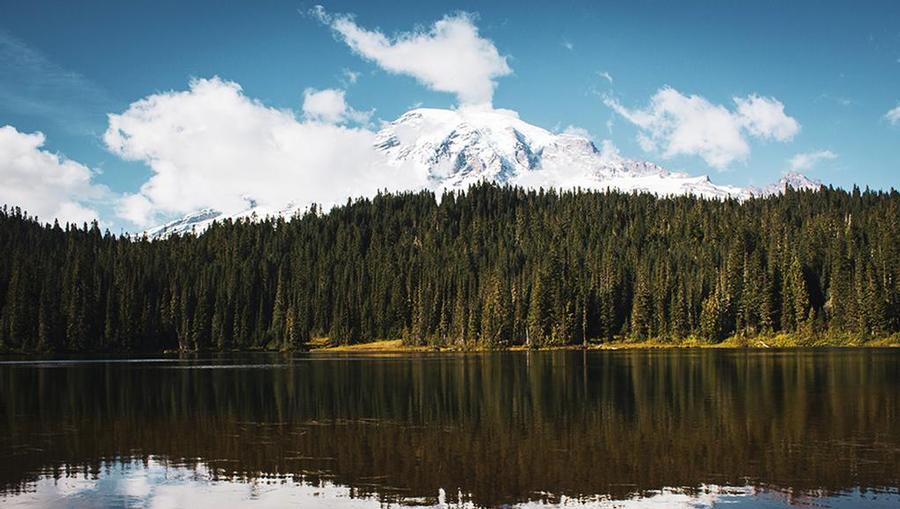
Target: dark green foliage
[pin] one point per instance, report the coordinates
(491, 267)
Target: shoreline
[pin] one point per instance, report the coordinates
(782, 341)
(396, 346)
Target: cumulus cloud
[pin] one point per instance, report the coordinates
(330, 106)
(675, 124)
(805, 161)
(893, 116)
(324, 105)
(764, 117)
(451, 56)
(211, 146)
(44, 184)
(136, 209)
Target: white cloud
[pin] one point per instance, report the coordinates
(577, 131)
(211, 146)
(136, 208)
(349, 77)
(568, 45)
(607, 76)
(675, 124)
(764, 117)
(609, 151)
(451, 56)
(805, 161)
(43, 183)
(326, 105)
(893, 116)
(330, 106)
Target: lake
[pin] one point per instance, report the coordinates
(690, 428)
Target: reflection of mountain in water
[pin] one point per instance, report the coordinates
(501, 428)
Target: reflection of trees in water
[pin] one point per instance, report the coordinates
(501, 427)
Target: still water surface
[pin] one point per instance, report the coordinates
(686, 428)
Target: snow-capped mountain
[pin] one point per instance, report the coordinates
(792, 179)
(197, 221)
(456, 148)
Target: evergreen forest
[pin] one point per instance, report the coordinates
(489, 268)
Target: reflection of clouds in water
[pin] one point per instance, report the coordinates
(137, 486)
(160, 486)
(157, 485)
(194, 489)
(67, 486)
(705, 496)
(50, 492)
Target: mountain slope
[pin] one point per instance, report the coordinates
(791, 179)
(457, 148)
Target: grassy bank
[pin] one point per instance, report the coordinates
(379, 346)
(396, 346)
(323, 345)
(761, 342)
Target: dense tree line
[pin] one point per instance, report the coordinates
(490, 267)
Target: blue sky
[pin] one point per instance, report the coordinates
(835, 68)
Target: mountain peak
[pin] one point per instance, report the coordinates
(455, 148)
(799, 181)
(794, 180)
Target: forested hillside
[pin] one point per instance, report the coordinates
(491, 267)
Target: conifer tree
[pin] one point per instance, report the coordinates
(642, 307)
(538, 314)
